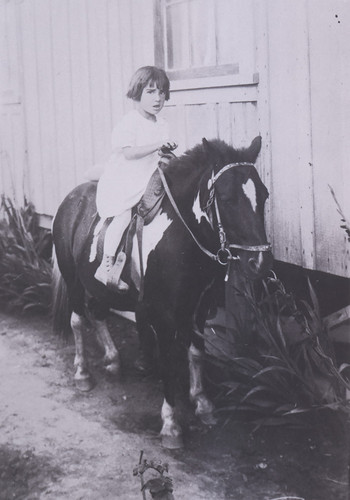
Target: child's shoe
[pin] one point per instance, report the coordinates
(110, 270)
(104, 268)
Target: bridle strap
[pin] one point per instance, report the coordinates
(215, 177)
(224, 249)
(172, 201)
(252, 248)
(222, 235)
(223, 239)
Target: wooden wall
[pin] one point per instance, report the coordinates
(330, 127)
(76, 58)
(67, 65)
(307, 74)
(13, 159)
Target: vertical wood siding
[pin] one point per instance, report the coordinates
(12, 132)
(330, 121)
(292, 209)
(68, 66)
(77, 59)
(309, 108)
(234, 122)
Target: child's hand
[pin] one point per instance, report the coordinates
(167, 148)
(166, 153)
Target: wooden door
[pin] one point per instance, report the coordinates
(208, 50)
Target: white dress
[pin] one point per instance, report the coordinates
(124, 181)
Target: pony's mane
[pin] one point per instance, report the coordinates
(185, 171)
(199, 157)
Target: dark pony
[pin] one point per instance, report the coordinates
(212, 215)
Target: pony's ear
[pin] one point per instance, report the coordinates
(254, 149)
(209, 150)
(206, 145)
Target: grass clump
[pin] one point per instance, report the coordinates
(286, 373)
(345, 223)
(25, 251)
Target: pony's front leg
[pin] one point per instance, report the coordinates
(111, 359)
(82, 377)
(204, 407)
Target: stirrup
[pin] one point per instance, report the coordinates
(104, 268)
(113, 280)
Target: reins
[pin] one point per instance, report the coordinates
(173, 203)
(223, 255)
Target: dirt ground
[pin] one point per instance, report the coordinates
(56, 443)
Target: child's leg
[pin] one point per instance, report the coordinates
(113, 236)
(115, 232)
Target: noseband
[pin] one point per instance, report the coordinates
(223, 255)
(224, 248)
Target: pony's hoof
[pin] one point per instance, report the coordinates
(205, 409)
(112, 369)
(84, 384)
(208, 419)
(172, 442)
(142, 366)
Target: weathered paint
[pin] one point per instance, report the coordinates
(66, 69)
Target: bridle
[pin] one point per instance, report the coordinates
(223, 255)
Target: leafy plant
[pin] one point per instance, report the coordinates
(289, 370)
(25, 269)
(346, 223)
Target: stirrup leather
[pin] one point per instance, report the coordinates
(113, 277)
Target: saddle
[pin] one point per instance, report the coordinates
(143, 214)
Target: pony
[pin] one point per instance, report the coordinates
(211, 216)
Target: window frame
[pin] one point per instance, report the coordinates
(222, 70)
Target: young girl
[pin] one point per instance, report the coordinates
(135, 144)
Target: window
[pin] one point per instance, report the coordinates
(197, 38)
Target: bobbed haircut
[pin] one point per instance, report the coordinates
(145, 75)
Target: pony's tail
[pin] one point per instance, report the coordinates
(60, 308)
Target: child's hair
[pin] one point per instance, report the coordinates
(145, 75)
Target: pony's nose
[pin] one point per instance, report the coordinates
(260, 264)
(254, 265)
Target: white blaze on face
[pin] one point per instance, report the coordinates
(198, 212)
(250, 192)
(152, 234)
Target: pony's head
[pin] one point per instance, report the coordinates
(233, 197)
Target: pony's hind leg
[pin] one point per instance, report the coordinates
(82, 377)
(97, 314)
(111, 359)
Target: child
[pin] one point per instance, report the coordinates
(135, 144)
